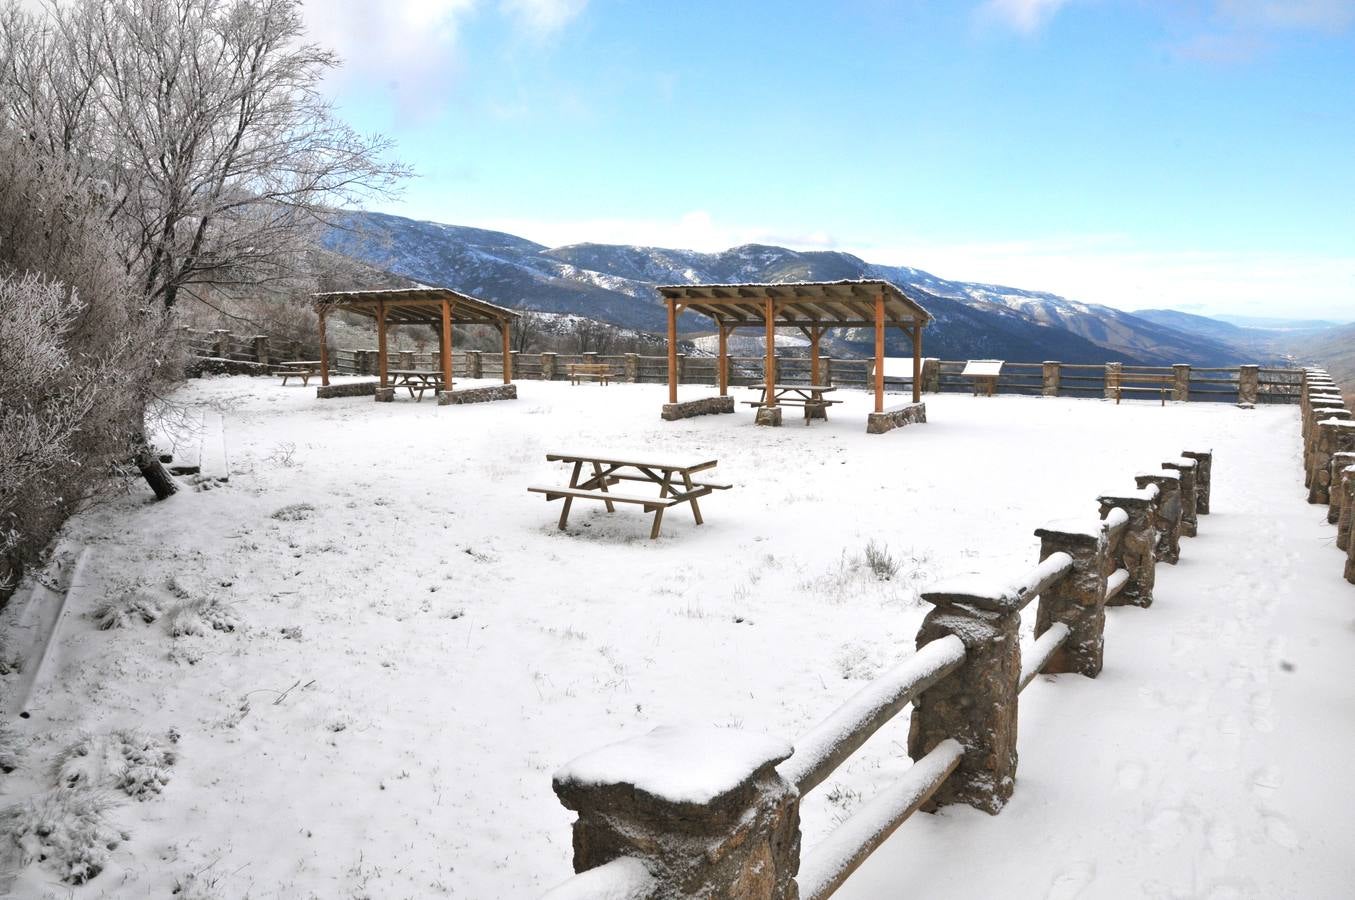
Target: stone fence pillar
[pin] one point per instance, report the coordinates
(475, 364)
(1248, 384)
(632, 362)
(406, 358)
(1114, 371)
(261, 355)
(1052, 372)
(1185, 469)
(1319, 410)
(221, 343)
(1168, 513)
(1340, 462)
(1204, 475)
(1078, 600)
(826, 369)
(1135, 552)
(547, 366)
(726, 832)
(931, 374)
(1181, 382)
(681, 366)
(1333, 436)
(976, 704)
(360, 362)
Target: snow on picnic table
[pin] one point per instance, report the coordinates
(419, 647)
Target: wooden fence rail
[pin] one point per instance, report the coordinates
(1328, 435)
(715, 812)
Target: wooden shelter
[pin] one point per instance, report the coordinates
(813, 307)
(440, 308)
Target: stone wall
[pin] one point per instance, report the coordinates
(706, 406)
(199, 366)
(912, 414)
(351, 389)
(478, 395)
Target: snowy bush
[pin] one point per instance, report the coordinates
(123, 605)
(69, 830)
(880, 562)
(124, 759)
(12, 746)
(199, 615)
(295, 512)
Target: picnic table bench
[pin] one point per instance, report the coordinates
(1142, 384)
(600, 372)
(415, 380)
(674, 481)
(305, 369)
(808, 396)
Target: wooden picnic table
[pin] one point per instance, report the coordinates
(674, 481)
(419, 380)
(305, 369)
(808, 396)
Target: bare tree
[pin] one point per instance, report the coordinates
(592, 336)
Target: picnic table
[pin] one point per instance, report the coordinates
(673, 479)
(419, 380)
(808, 396)
(305, 369)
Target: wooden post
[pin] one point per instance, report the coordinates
(723, 362)
(815, 333)
(672, 351)
(880, 352)
(917, 360)
(324, 351)
(381, 340)
(506, 330)
(445, 345)
(770, 364)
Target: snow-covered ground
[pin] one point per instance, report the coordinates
(416, 648)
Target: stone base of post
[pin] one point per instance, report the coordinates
(1204, 474)
(385, 395)
(1136, 550)
(1345, 522)
(1336, 491)
(1078, 600)
(1184, 467)
(1051, 375)
(1332, 436)
(768, 415)
(727, 832)
(1168, 513)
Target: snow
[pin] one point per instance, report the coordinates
(621, 879)
(1116, 518)
(1115, 581)
(678, 764)
(1087, 526)
(1037, 654)
(1004, 591)
(417, 647)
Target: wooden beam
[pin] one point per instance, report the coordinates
(880, 352)
(324, 348)
(723, 362)
(672, 351)
(445, 345)
(814, 336)
(381, 340)
(917, 361)
(769, 366)
(506, 332)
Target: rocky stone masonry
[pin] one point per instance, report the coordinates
(1135, 551)
(913, 413)
(1333, 436)
(1078, 600)
(209, 365)
(1248, 384)
(384, 394)
(768, 415)
(743, 844)
(1051, 374)
(1168, 514)
(1185, 468)
(1181, 382)
(706, 406)
(1345, 522)
(1336, 499)
(976, 704)
(351, 389)
(1204, 471)
(478, 395)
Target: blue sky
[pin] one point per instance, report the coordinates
(1196, 155)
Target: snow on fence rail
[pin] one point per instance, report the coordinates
(1328, 435)
(715, 812)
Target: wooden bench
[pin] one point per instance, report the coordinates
(1161, 385)
(600, 372)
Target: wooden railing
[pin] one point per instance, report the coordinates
(1328, 435)
(715, 812)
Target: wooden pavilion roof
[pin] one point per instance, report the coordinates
(826, 304)
(416, 306)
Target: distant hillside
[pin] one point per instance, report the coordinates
(615, 283)
(1334, 350)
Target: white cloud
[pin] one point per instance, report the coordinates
(694, 230)
(1326, 15)
(1026, 16)
(544, 16)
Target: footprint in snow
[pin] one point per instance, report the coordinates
(1129, 776)
(1280, 832)
(1265, 782)
(1072, 881)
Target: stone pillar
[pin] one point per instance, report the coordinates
(1204, 474)
(976, 704)
(405, 358)
(360, 362)
(475, 364)
(1078, 600)
(1333, 436)
(768, 415)
(261, 355)
(681, 366)
(1135, 552)
(1114, 371)
(1339, 463)
(633, 368)
(221, 343)
(1345, 526)
(726, 832)
(385, 395)
(1181, 382)
(547, 366)
(1185, 469)
(931, 375)
(1248, 384)
(1052, 374)
(1167, 514)
(826, 369)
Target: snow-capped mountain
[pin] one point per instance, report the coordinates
(615, 283)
